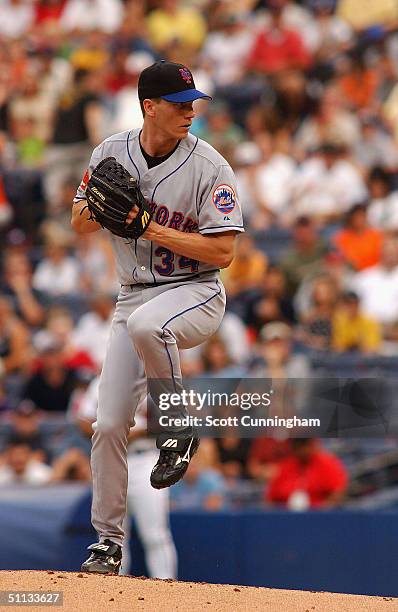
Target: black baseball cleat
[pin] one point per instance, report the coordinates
(174, 458)
(106, 558)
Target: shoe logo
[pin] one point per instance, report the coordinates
(187, 456)
(101, 547)
(170, 443)
(112, 561)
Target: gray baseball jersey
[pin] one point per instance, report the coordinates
(194, 190)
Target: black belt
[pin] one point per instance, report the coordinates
(149, 285)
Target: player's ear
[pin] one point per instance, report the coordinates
(149, 107)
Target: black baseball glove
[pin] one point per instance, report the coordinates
(111, 193)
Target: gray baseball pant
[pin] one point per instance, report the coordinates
(148, 327)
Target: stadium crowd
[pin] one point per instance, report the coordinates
(305, 109)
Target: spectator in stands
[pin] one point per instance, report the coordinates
(362, 16)
(58, 273)
(15, 348)
(29, 148)
(359, 84)
(382, 212)
(21, 467)
(220, 130)
(72, 465)
(316, 323)
(54, 73)
(360, 244)
(77, 128)
(48, 14)
(216, 360)
(290, 102)
(203, 486)
(93, 328)
(330, 35)
(132, 33)
(16, 18)
(266, 310)
(308, 478)
(226, 49)
(270, 302)
(16, 283)
(97, 264)
(25, 430)
(91, 54)
(277, 47)
(31, 104)
(59, 330)
(293, 16)
(247, 269)
(376, 147)
(80, 16)
(352, 330)
(276, 354)
(233, 455)
(127, 111)
(327, 184)
(289, 372)
(377, 288)
(234, 334)
(265, 456)
(60, 216)
(272, 180)
(245, 162)
(329, 121)
(173, 23)
(51, 386)
(304, 258)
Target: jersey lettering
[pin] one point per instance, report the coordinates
(176, 220)
(167, 265)
(190, 225)
(166, 268)
(186, 262)
(162, 215)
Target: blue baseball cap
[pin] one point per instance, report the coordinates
(169, 81)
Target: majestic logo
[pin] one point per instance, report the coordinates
(224, 199)
(170, 443)
(186, 75)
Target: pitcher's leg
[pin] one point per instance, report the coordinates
(182, 317)
(120, 385)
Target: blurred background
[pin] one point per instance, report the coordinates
(305, 109)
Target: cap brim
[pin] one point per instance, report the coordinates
(188, 95)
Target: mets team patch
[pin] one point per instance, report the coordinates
(224, 199)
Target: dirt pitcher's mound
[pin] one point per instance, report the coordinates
(85, 593)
